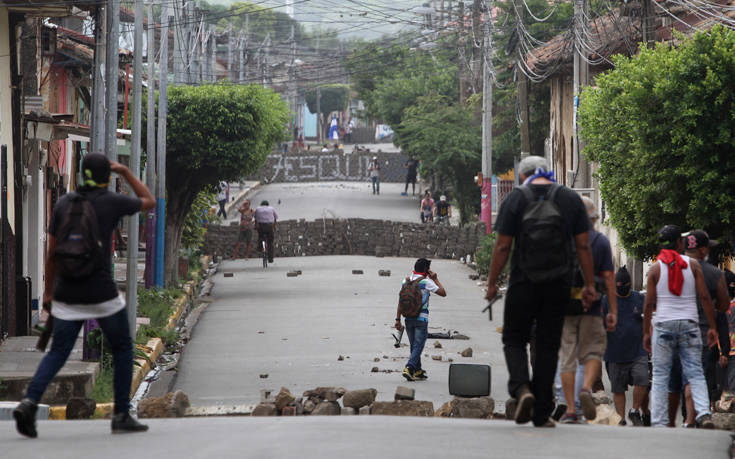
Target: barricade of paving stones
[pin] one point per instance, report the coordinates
(357, 236)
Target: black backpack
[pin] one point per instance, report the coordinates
(545, 245)
(78, 252)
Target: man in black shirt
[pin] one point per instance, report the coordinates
(94, 297)
(411, 167)
(542, 303)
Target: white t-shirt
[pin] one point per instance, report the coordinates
(672, 307)
(67, 311)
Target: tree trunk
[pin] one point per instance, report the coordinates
(177, 208)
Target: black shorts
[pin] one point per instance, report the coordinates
(410, 179)
(624, 374)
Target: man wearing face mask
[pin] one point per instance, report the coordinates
(625, 359)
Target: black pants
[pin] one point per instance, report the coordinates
(222, 210)
(544, 305)
(265, 232)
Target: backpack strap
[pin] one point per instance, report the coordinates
(527, 193)
(551, 194)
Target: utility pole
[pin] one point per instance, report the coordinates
(241, 59)
(267, 66)
(150, 149)
(131, 297)
(449, 11)
(98, 90)
(441, 15)
(229, 52)
(523, 101)
(462, 61)
(318, 91)
(213, 55)
(247, 42)
(486, 209)
(649, 30)
(111, 75)
(177, 14)
(292, 81)
(161, 153)
(579, 165)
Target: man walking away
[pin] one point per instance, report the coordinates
(222, 199)
(374, 170)
(75, 296)
(266, 220)
(411, 167)
(625, 359)
(538, 219)
(583, 336)
(417, 327)
(245, 235)
(674, 282)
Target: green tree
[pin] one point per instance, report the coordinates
(214, 132)
(334, 98)
(660, 125)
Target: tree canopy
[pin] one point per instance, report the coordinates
(660, 125)
(334, 98)
(214, 132)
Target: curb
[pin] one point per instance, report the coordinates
(152, 349)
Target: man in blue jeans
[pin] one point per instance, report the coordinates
(417, 328)
(674, 283)
(74, 300)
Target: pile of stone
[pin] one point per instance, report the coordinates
(356, 236)
(724, 415)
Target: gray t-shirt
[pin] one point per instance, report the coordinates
(711, 276)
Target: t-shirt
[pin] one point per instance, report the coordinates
(100, 286)
(265, 214)
(427, 205)
(428, 286)
(412, 165)
(511, 211)
(601, 261)
(246, 219)
(442, 208)
(625, 344)
(712, 275)
(374, 169)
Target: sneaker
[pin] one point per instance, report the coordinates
(688, 426)
(646, 417)
(420, 374)
(559, 412)
(549, 423)
(408, 374)
(635, 417)
(622, 423)
(569, 418)
(123, 422)
(25, 417)
(404, 194)
(705, 422)
(524, 409)
(588, 405)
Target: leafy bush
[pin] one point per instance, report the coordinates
(157, 304)
(484, 255)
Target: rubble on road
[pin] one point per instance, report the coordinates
(228, 274)
(358, 398)
(384, 272)
(171, 405)
(357, 271)
(405, 393)
(80, 408)
(437, 345)
(466, 353)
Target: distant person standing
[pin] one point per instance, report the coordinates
(348, 130)
(245, 235)
(426, 208)
(334, 129)
(411, 166)
(374, 170)
(266, 220)
(222, 195)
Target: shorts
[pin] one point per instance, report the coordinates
(410, 179)
(245, 235)
(583, 338)
(624, 374)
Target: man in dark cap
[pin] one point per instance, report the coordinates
(625, 359)
(74, 299)
(673, 285)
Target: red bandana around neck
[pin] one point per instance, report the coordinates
(675, 263)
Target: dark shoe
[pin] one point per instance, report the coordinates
(123, 422)
(705, 422)
(25, 417)
(646, 417)
(636, 418)
(510, 408)
(559, 412)
(622, 423)
(524, 410)
(548, 423)
(408, 374)
(569, 418)
(588, 405)
(420, 374)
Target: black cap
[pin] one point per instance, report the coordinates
(695, 239)
(668, 235)
(422, 265)
(264, 203)
(95, 170)
(622, 276)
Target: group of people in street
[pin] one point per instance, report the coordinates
(566, 301)
(337, 132)
(431, 210)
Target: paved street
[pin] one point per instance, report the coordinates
(327, 437)
(294, 330)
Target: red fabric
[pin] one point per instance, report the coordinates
(675, 264)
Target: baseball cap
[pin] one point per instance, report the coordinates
(697, 238)
(668, 235)
(442, 198)
(591, 209)
(96, 170)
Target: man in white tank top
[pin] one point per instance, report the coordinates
(674, 283)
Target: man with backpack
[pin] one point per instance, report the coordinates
(79, 285)
(539, 219)
(413, 305)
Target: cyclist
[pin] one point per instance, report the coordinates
(266, 220)
(443, 210)
(427, 208)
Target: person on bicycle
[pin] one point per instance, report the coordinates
(443, 210)
(265, 219)
(427, 208)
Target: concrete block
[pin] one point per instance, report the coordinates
(405, 393)
(6, 411)
(228, 274)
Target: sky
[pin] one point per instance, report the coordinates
(352, 18)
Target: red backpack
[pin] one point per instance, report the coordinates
(410, 299)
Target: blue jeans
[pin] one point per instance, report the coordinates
(376, 184)
(672, 338)
(115, 328)
(417, 331)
